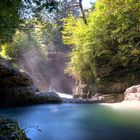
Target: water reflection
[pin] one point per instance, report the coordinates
(77, 122)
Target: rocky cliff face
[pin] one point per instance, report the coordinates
(17, 88)
(111, 82)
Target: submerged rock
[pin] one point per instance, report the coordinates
(132, 93)
(9, 130)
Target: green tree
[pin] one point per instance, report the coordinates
(14, 12)
(9, 19)
(26, 40)
(110, 40)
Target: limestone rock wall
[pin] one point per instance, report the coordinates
(113, 83)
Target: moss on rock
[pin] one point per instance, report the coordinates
(10, 130)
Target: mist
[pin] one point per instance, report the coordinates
(47, 72)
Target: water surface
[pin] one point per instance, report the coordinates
(77, 122)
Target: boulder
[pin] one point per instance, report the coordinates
(9, 130)
(47, 97)
(132, 93)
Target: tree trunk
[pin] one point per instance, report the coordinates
(82, 11)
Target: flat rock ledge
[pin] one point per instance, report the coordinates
(80, 101)
(30, 99)
(107, 98)
(10, 130)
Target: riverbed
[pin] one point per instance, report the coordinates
(77, 121)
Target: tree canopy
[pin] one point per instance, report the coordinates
(9, 19)
(111, 39)
(13, 13)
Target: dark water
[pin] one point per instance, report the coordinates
(77, 122)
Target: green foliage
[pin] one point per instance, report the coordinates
(24, 41)
(16, 30)
(111, 39)
(9, 19)
(14, 12)
(3, 53)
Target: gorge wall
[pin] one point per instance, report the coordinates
(112, 83)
